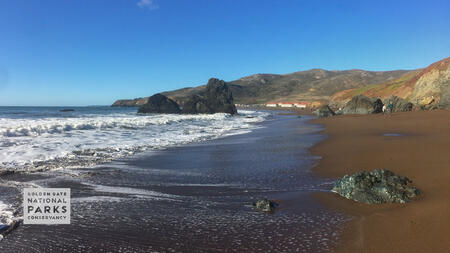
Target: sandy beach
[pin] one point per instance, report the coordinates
(412, 144)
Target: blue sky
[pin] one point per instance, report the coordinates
(92, 52)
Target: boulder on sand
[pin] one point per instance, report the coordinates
(324, 111)
(265, 205)
(217, 97)
(377, 106)
(363, 105)
(376, 187)
(159, 103)
(400, 104)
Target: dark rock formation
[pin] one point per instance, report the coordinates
(265, 205)
(400, 104)
(66, 110)
(217, 97)
(324, 111)
(376, 187)
(159, 103)
(363, 105)
(196, 104)
(378, 106)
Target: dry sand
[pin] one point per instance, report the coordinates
(422, 153)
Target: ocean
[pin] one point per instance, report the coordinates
(166, 183)
(45, 137)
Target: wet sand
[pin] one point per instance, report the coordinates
(192, 198)
(413, 144)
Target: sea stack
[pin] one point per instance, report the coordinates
(159, 103)
(216, 98)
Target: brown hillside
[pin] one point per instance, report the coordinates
(311, 85)
(423, 86)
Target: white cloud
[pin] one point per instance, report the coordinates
(149, 4)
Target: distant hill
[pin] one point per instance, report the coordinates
(310, 85)
(130, 102)
(337, 87)
(429, 86)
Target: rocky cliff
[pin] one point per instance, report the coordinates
(216, 97)
(428, 88)
(432, 85)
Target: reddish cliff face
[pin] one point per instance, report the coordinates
(431, 83)
(422, 87)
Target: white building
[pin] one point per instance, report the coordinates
(286, 104)
(300, 105)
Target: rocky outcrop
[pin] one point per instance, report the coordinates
(324, 111)
(159, 103)
(426, 88)
(130, 102)
(376, 187)
(217, 97)
(400, 104)
(265, 205)
(363, 105)
(196, 104)
(377, 106)
(431, 83)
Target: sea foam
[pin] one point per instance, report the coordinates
(89, 139)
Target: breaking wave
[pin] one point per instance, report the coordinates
(88, 139)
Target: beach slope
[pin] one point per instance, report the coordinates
(413, 144)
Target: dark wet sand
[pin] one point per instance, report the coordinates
(421, 152)
(195, 198)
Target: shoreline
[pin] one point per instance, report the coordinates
(420, 152)
(196, 197)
